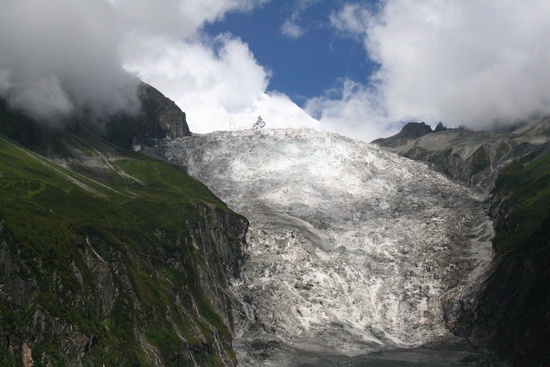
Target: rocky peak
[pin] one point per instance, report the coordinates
(259, 124)
(163, 111)
(440, 127)
(159, 118)
(415, 129)
(409, 132)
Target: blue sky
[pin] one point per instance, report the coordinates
(305, 66)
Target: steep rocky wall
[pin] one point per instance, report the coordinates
(510, 316)
(158, 118)
(109, 257)
(111, 303)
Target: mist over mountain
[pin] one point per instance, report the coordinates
(60, 58)
(64, 58)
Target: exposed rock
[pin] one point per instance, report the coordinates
(159, 118)
(410, 131)
(440, 127)
(259, 124)
(27, 356)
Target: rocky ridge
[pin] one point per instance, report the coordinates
(472, 157)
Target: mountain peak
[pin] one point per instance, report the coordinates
(440, 127)
(411, 131)
(415, 129)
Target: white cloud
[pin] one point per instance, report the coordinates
(5, 82)
(353, 110)
(217, 82)
(291, 29)
(43, 98)
(62, 56)
(178, 18)
(70, 51)
(64, 50)
(462, 62)
(201, 77)
(351, 19)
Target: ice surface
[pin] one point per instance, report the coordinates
(350, 248)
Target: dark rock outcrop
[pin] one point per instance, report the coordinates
(440, 127)
(411, 131)
(159, 118)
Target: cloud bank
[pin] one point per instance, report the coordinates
(63, 57)
(59, 56)
(471, 63)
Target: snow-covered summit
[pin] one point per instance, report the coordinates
(277, 111)
(350, 247)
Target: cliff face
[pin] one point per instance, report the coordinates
(159, 118)
(110, 257)
(509, 315)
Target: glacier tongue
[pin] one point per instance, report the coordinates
(350, 248)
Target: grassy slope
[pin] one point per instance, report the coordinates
(46, 213)
(526, 199)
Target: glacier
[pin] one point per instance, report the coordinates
(351, 249)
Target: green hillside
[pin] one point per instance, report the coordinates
(104, 255)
